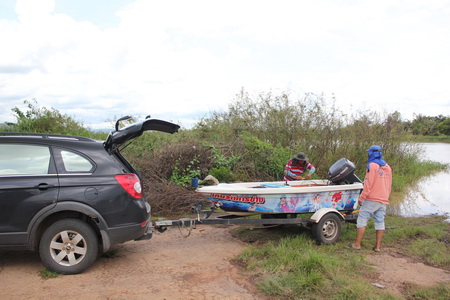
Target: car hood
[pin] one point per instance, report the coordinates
(119, 137)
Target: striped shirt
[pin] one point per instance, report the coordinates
(291, 169)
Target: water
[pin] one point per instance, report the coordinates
(431, 195)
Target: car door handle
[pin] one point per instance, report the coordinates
(43, 186)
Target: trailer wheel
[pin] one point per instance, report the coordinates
(328, 229)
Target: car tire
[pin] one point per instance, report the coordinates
(68, 246)
(328, 229)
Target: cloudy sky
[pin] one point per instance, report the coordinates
(178, 60)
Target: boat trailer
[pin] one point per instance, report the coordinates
(325, 224)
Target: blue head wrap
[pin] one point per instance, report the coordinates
(375, 156)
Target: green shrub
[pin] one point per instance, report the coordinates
(266, 130)
(44, 120)
(223, 174)
(262, 160)
(183, 175)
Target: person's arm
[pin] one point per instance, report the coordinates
(312, 169)
(368, 183)
(288, 172)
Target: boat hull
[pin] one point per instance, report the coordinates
(277, 198)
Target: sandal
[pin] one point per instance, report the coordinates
(350, 246)
(376, 250)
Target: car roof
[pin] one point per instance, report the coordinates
(49, 136)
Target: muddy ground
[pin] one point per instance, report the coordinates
(170, 266)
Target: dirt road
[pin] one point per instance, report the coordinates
(170, 266)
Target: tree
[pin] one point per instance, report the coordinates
(44, 120)
(425, 125)
(444, 127)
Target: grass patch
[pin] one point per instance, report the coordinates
(288, 264)
(425, 238)
(252, 235)
(432, 252)
(47, 274)
(409, 173)
(439, 292)
(430, 139)
(293, 266)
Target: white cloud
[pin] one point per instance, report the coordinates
(180, 58)
(32, 10)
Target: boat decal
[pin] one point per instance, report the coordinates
(288, 203)
(252, 199)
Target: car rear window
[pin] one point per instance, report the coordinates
(74, 162)
(19, 159)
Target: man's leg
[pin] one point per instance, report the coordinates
(364, 216)
(379, 239)
(359, 237)
(379, 216)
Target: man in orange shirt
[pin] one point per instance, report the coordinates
(374, 197)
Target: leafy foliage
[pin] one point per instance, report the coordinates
(183, 176)
(426, 125)
(266, 131)
(43, 120)
(36, 119)
(444, 127)
(262, 160)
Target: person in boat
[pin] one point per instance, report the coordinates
(374, 197)
(296, 168)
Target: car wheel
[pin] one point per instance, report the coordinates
(68, 246)
(328, 229)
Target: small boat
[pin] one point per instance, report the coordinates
(340, 191)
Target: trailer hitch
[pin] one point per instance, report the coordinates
(161, 229)
(198, 209)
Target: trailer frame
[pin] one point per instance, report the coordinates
(325, 224)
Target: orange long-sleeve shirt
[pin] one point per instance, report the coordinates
(377, 184)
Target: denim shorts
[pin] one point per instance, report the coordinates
(369, 209)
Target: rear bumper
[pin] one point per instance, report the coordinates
(148, 235)
(118, 235)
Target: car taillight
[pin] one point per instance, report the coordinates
(131, 184)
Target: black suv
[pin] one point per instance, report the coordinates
(71, 197)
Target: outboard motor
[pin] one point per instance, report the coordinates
(343, 172)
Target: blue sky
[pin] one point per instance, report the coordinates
(179, 60)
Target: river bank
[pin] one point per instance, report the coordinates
(428, 194)
(430, 139)
(287, 264)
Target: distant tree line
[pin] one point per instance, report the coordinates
(38, 119)
(429, 126)
(268, 112)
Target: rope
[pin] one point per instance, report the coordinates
(189, 228)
